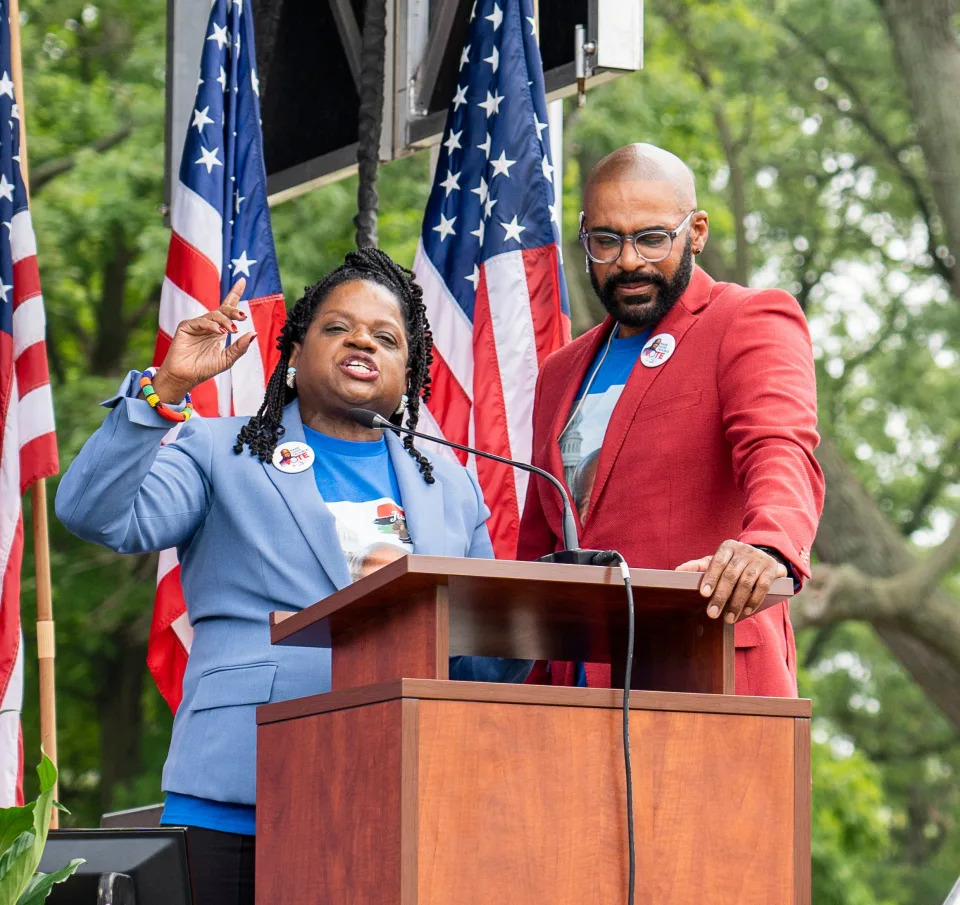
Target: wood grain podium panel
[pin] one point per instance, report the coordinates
(526, 803)
(330, 813)
(408, 638)
(430, 793)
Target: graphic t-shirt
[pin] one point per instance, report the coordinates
(357, 482)
(602, 385)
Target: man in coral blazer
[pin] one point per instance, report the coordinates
(685, 424)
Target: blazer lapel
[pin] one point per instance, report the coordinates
(422, 502)
(315, 521)
(676, 322)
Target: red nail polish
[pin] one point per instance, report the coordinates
(233, 327)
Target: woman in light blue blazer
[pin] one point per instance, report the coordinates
(269, 514)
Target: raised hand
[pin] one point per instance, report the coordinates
(198, 353)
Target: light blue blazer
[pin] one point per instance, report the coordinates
(251, 539)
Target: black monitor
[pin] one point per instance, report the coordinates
(155, 859)
(308, 61)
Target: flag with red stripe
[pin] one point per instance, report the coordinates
(28, 444)
(221, 231)
(489, 255)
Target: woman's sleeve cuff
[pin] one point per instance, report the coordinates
(138, 410)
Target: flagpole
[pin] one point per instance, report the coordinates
(46, 652)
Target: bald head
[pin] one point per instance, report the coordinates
(642, 162)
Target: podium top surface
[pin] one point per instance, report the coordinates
(536, 695)
(488, 591)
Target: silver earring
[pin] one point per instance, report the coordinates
(404, 399)
(291, 377)
(586, 264)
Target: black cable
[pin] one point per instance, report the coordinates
(608, 558)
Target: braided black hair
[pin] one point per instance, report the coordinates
(263, 431)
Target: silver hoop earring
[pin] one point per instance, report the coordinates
(291, 377)
(404, 399)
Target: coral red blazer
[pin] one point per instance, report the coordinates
(716, 442)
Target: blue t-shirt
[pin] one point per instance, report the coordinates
(185, 810)
(582, 438)
(358, 483)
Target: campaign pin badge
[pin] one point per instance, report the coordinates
(657, 350)
(293, 457)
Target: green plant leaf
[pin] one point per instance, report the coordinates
(23, 833)
(14, 822)
(40, 884)
(23, 843)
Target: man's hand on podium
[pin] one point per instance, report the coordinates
(736, 579)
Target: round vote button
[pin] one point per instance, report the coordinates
(658, 349)
(293, 457)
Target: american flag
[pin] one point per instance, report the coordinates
(221, 231)
(29, 445)
(489, 256)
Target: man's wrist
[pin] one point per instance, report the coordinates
(777, 555)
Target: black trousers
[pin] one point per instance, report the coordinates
(221, 867)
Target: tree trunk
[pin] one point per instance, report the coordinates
(586, 310)
(854, 531)
(738, 190)
(120, 718)
(112, 328)
(925, 41)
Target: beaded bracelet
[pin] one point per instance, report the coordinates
(146, 387)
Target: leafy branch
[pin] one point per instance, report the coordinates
(44, 173)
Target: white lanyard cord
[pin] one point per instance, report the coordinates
(596, 371)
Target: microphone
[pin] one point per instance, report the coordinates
(571, 540)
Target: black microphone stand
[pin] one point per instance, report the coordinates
(572, 554)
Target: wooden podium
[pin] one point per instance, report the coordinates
(400, 787)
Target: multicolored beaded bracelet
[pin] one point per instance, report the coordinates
(146, 387)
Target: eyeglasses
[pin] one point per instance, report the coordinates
(652, 245)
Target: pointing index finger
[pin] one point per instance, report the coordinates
(236, 291)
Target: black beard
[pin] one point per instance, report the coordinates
(668, 292)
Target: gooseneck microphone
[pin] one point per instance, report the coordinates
(571, 540)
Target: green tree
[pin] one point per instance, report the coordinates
(800, 128)
(823, 139)
(95, 108)
(94, 113)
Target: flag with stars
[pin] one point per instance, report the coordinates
(28, 444)
(221, 231)
(489, 255)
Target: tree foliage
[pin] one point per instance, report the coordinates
(812, 130)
